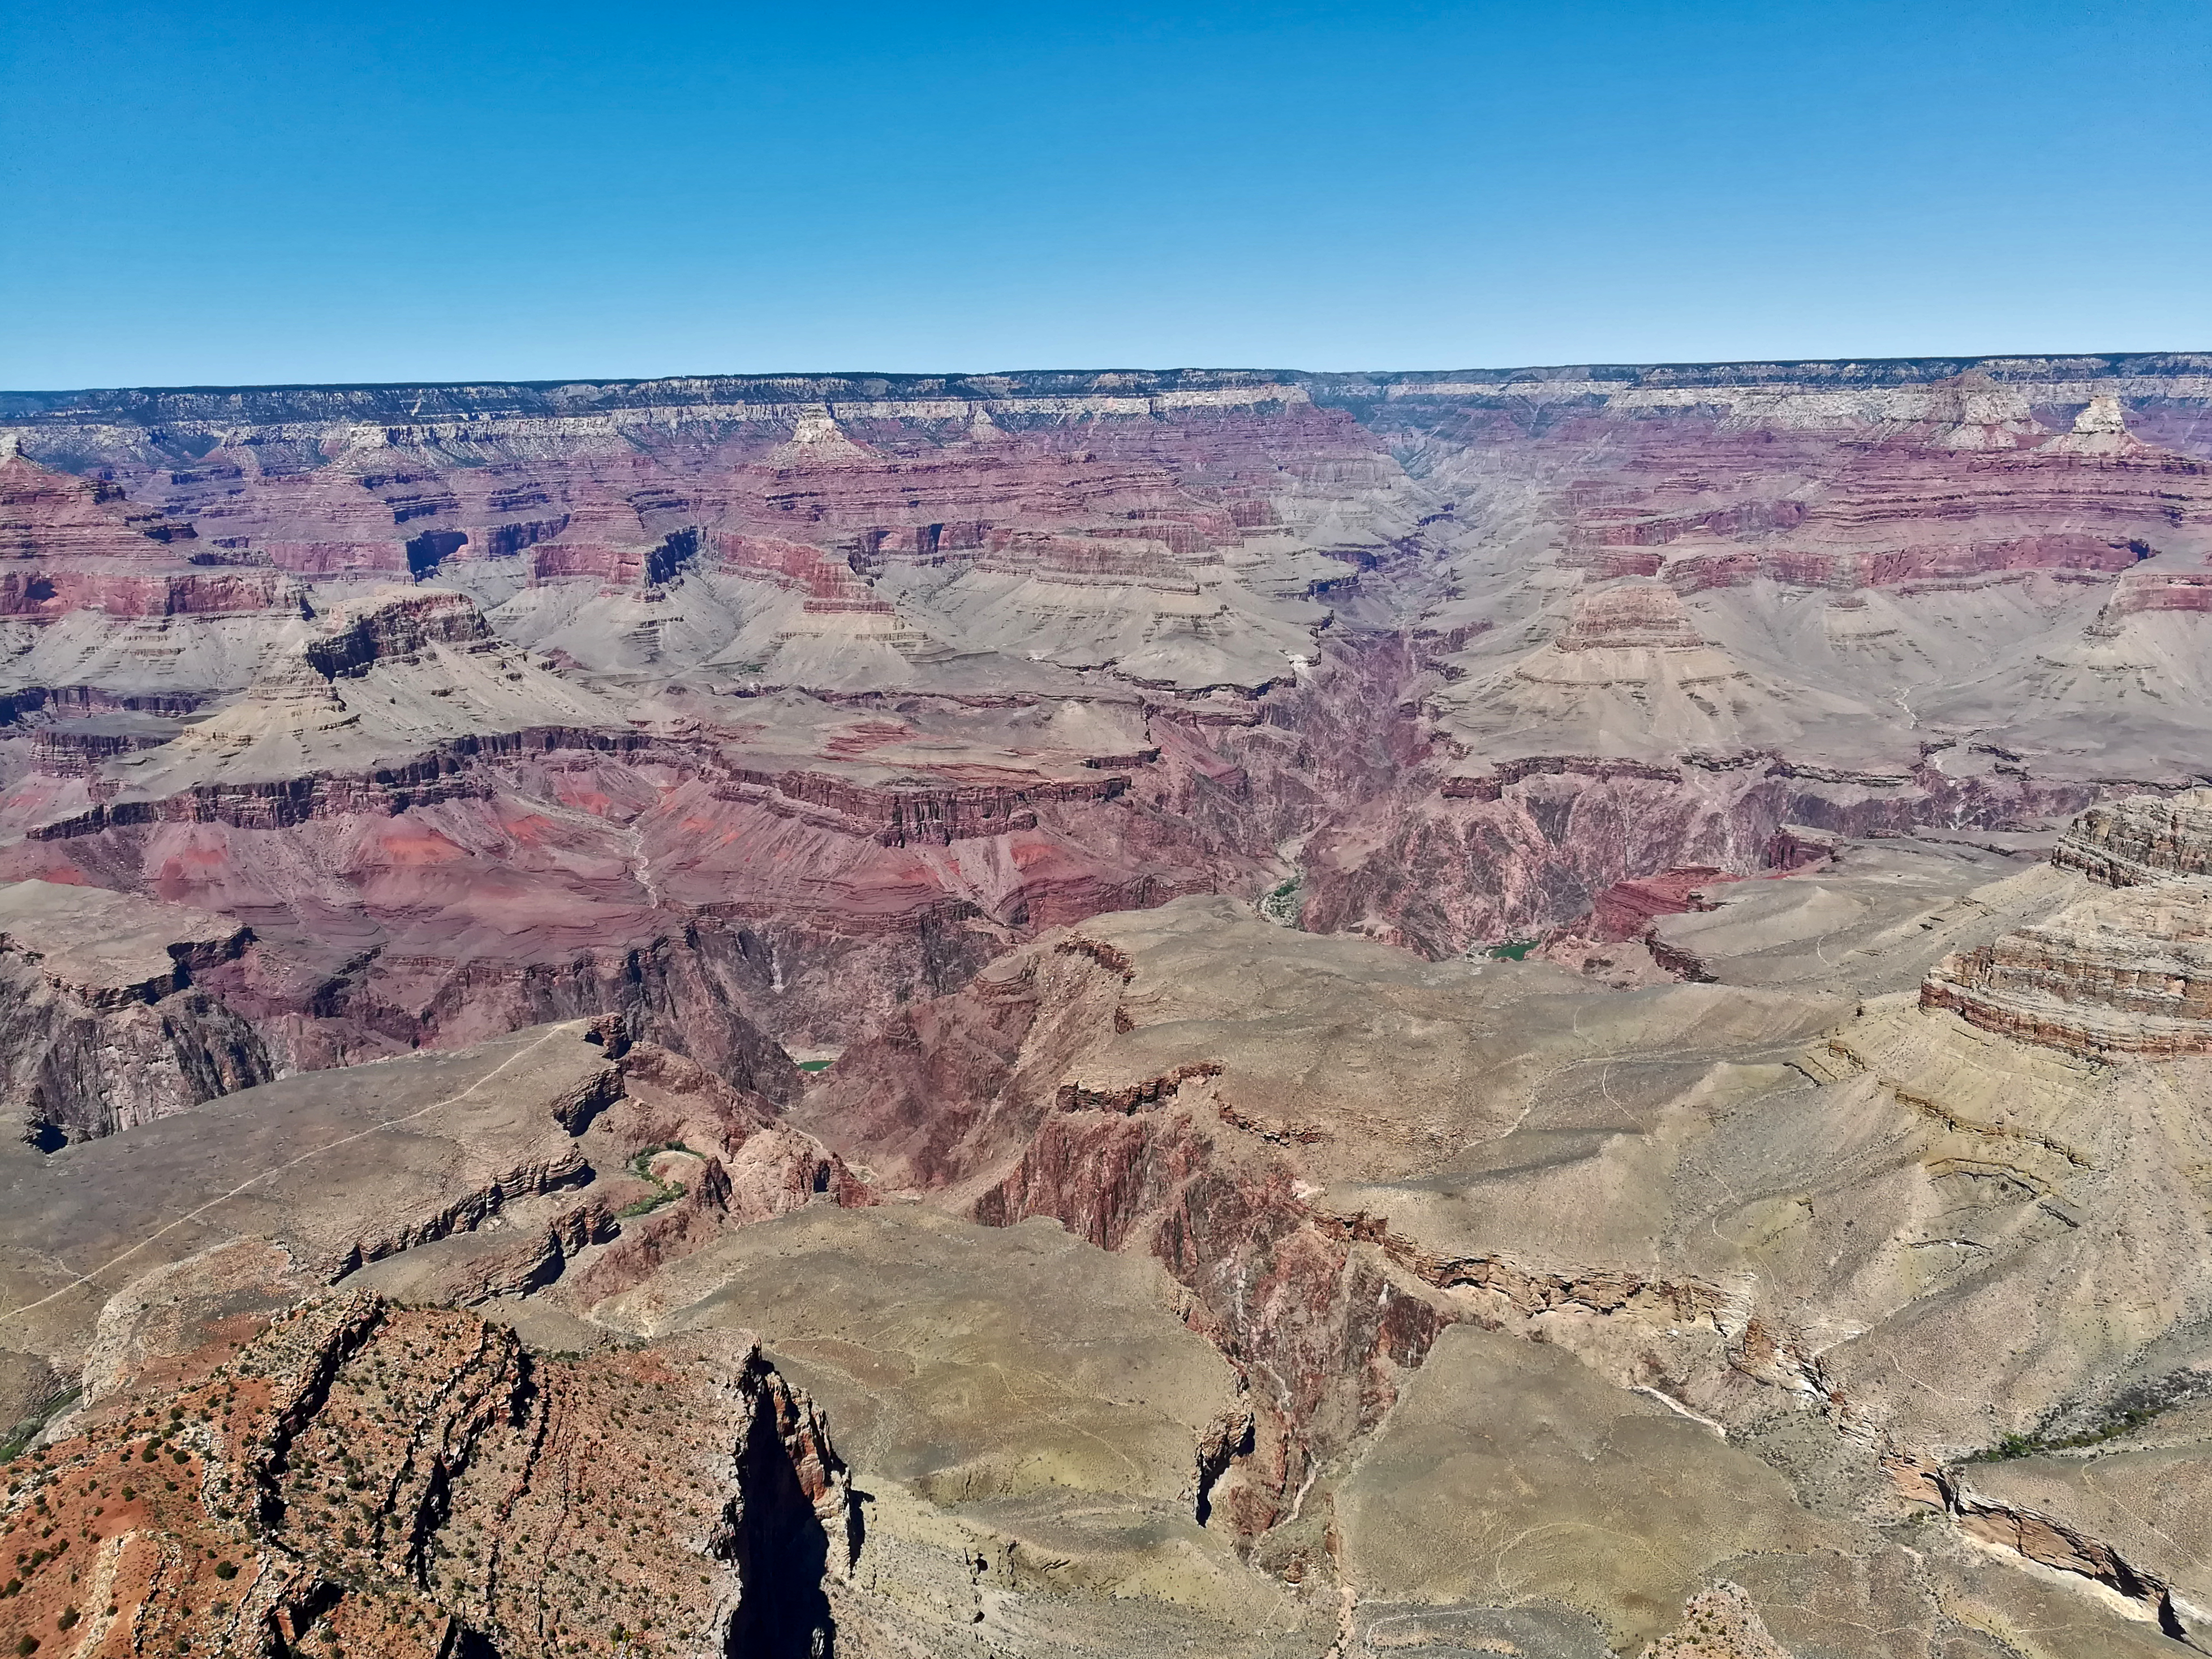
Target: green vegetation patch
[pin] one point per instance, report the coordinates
(1281, 904)
(667, 1192)
(2137, 1406)
(19, 1437)
(2035, 1445)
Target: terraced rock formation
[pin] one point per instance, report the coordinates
(640, 1005)
(2122, 973)
(2141, 838)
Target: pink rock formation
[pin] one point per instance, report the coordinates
(1635, 615)
(860, 683)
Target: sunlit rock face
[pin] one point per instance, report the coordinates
(821, 692)
(2141, 838)
(1553, 1012)
(2122, 973)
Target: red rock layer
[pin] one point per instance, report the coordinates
(408, 1482)
(46, 515)
(871, 482)
(77, 544)
(1624, 909)
(2187, 591)
(1698, 572)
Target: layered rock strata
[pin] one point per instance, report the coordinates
(2142, 838)
(1241, 552)
(2126, 973)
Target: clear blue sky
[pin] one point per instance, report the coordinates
(237, 191)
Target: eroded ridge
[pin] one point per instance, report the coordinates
(369, 1478)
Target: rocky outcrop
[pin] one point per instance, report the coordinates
(918, 816)
(1627, 908)
(416, 1483)
(378, 629)
(2145, 592)
(2141, 838)
(105, 1025)
(1635, 615)
(2062, 1545)
(768, 1166)
(2065, 554)
(2128, 972)
(2125, 973)
(1322, 1328)
(54, 593)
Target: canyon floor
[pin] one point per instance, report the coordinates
(1558, 1013)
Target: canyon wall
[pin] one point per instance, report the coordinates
(1239, 969)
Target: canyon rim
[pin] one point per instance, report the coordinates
(1558, 1013)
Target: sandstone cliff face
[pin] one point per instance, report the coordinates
(2121, 974)
(2129, 973)
(2142, 838)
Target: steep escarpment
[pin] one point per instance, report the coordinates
(1532, 845)
(108, 1023)
(972, 1090)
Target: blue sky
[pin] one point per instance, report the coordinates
(236, 192)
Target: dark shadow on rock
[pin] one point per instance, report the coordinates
(781, 1553)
